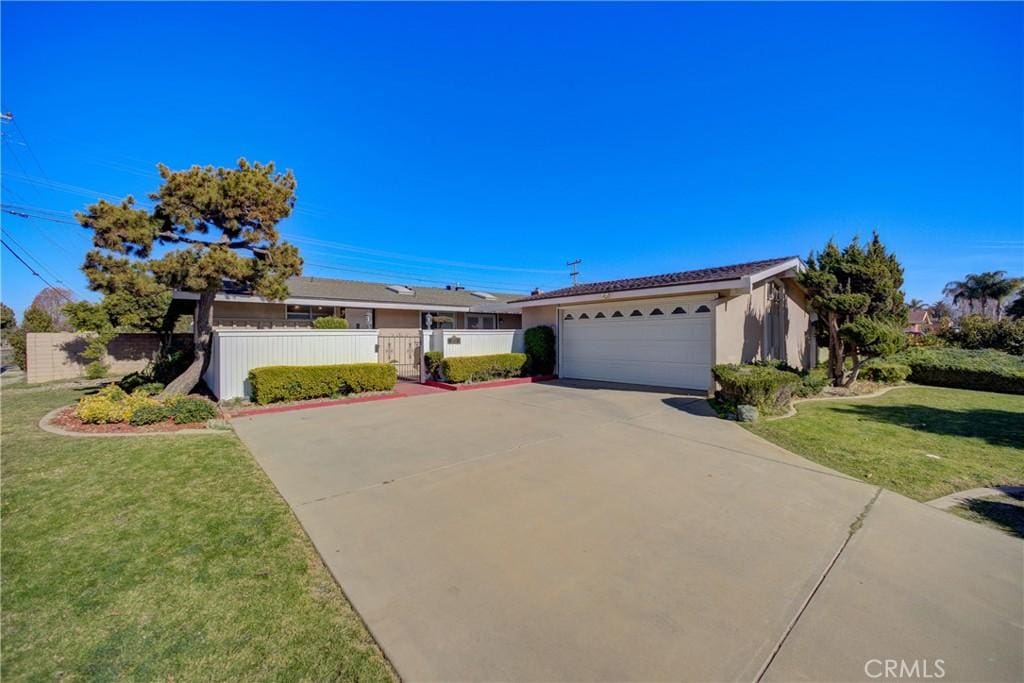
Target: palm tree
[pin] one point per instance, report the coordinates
(995, 285)
(965, 290)
(940, 310)
(915, 304)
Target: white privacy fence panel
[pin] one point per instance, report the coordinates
(236, 352)
(479, 342)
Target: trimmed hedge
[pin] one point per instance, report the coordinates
(432, 363)
(980, 370)
(885, 371)
(330, 322)
(768, 388)
(298, 383)
(539, 344)
(190, 409)
(459, 369)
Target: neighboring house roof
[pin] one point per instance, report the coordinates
(686, 277)
(919, 316)
(358, 291)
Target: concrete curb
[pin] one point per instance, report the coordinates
(45, 425)
(960, 497)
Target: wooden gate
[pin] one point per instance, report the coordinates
(403, 350)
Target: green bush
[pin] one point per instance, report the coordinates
(330, 322)
(150, 414)
(979, 332)
(812, 382)
(432, 363)
(190, 409)
(95, 370)
(768, 388)
(298, 383)
(539, 344)
(980, 370)
(460, 369)
(885, 371)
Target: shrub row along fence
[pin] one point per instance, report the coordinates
(237, 352)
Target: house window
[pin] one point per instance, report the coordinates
(584, 316)
(568, 316)
(635, 314)
(599, 315)
(297, 312)
(303, 312)
(657, 311)
(703, 309)
(617, 314)
(679, 310)
(476, 321)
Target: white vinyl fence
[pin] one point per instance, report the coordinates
(474, 342)
(236, 352)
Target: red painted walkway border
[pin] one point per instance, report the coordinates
(488, 385)
(316, 404)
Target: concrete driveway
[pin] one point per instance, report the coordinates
(575, 531)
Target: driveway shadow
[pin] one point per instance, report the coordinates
(691, 405)
(1006, 516)
(997, 427)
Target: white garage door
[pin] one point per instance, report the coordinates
(661, 343)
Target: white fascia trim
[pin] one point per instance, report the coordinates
(241, 298)
(794, 264)
(649, 292)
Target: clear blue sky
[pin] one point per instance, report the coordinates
(640, 138)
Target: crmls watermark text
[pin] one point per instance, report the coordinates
(903, 668)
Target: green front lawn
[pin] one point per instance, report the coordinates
(977, 436)
(167, 558)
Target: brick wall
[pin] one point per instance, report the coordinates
(57, 355)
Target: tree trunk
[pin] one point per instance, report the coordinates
(187, 381)
(835, 351)
(855, 370)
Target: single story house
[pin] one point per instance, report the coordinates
(668, 330)
(665, 330)
(365, 305)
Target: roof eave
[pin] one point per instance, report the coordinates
(348, 303)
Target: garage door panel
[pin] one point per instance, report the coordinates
(665, 350)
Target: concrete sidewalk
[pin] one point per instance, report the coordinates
(576, 531)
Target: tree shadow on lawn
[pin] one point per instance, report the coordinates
(1006, 516)
(998, 427)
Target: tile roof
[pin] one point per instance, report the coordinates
(378, 292)
(686, 277)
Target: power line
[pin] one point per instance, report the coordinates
(28, 146)
(39, 263)
(33, 271)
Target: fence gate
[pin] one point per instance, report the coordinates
(403, 351)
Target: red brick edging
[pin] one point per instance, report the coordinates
(493, 383)
(315, 404)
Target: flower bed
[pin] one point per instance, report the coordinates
(113, 411)
(66, 420)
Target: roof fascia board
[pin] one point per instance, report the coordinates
(648, 292)
(348, 303)
(795, 264)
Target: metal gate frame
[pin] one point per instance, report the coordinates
(405, 352)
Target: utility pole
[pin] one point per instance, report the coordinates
(574, 273)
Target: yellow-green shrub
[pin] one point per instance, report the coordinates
(460, 369)
(111, 405)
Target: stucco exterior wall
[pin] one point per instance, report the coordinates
(357, 318)
(510, 321)
(394, 318)
(800, 344)
(740, 330)
(540, 315)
